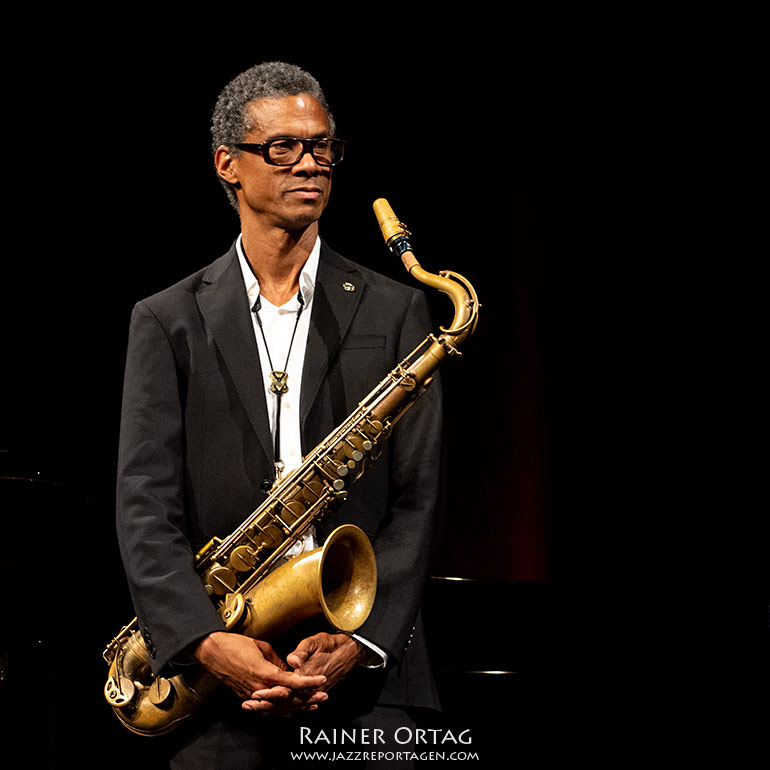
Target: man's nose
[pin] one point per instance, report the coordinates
(307, 163)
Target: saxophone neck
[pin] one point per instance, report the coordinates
(457, 288)
(464, 299)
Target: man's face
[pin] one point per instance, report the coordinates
(290, 197)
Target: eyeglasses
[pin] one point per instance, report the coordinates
(288, 150)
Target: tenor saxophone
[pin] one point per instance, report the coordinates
(258, 592)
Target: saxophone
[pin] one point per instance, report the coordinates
(258, 592)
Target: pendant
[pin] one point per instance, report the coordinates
(278, 382)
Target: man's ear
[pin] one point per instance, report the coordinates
(223, 162)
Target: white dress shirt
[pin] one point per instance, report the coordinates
(279, 324)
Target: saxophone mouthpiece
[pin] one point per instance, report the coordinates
(394, 232)
(388, 221)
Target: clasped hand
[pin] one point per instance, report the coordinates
(268, 684)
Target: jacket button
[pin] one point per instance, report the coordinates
(148, 642)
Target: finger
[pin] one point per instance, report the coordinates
(296, 659)
(304, 650)
(296, 681)
(271, 693)
(284, 694)
(284, 706)
(278, 695)
(266, 707)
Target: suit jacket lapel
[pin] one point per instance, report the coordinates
(337, 294)
(225, 308)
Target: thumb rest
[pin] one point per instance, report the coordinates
(256, 591)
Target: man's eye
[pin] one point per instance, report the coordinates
(284, 146)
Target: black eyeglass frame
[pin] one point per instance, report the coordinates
(308, 146)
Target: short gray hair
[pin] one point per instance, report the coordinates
(231, 120)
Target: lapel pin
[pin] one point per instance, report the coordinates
(348, 286)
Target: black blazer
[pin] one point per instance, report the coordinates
(195, 448)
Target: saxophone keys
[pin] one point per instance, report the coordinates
(338, 468)
(294, 509)
(119, 691)
(268, 536)
(352, 449)
(160, 692)
(365, 433)
(207, 549)
(243, 558)
(232, 610)
(373, 427)
(221, 580)
(312, 490)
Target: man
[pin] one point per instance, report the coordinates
(232, 375)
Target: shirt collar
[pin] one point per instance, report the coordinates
(307, 277)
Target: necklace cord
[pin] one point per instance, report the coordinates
(278, 379)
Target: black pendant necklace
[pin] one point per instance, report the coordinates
(279, 380)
